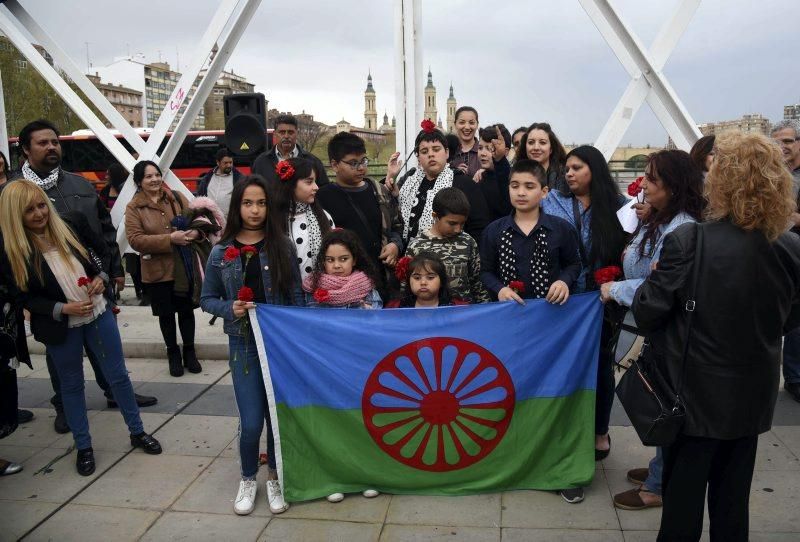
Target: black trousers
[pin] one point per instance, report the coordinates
(56, 382)
(604, 397)
(724, 466)
(134, 268)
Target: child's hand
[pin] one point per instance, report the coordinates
(240, 308)
(558, 293)
(507, 294)
(478, 177)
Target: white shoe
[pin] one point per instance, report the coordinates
(275, 497)
(370, 493)
(246, 497)
(28, 331)
(335, 497)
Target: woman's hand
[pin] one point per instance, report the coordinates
(642, 210)
(507, 294)
(605, 292)
(96, 286)
(179, 238)
(558, 293)
(77, 308)
(193, 235)
(240, 308)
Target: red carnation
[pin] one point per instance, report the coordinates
(231, 253)
(428, 126)
(518, 286)
(83, 281)
(249, 251)
(607, 274)
(246, 294)
(115, 310)
(321, 295)
(401, 269)
(284, 170)
(635, 187)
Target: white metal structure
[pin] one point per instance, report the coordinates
(407, 72)
(647, 80)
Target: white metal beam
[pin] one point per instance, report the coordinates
(408, 73)
(3, 127)
(647, 80)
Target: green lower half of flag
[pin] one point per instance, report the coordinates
(548, 445)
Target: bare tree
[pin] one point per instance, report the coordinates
(309, 133)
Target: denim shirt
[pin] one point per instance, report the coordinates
(224, 279)
(636, 267)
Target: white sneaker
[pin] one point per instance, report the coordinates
(335, 497)
(246, 497)
(28, 331)
(370, 493)
(275, 497)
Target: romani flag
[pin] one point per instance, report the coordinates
(449, 401)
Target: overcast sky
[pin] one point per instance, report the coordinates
(517, 61)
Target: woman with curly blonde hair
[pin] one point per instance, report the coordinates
(747, 296)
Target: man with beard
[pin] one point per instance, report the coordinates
(286, 147)
(217, 184)
(70, 192)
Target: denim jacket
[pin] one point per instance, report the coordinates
(223, 281)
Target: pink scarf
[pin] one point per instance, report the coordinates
(341, 291)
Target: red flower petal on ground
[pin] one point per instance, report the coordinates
(246, 294)
(284, 170)
(83, 281)
(401, 269)
(321, 295)
(231, 253)
(428, 126)
(115, 310)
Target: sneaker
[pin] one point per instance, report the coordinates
(335, 497)
(275, 497)
(246, 497)
(370, 493)
(573, 495)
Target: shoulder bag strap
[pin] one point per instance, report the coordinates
(576, 213)
(691, 305)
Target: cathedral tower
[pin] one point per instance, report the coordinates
(370, 113)
(451, 111)
(430, 99)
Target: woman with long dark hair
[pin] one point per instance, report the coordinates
(673, 186)
(590, 207)
(305, 219)
(541, 143)
(252, 263)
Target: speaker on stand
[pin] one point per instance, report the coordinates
(245, 123)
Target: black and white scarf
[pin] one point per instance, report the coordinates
(540, 263)
(408, 199)
(47, 183)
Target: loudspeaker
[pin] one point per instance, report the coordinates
(245, 123)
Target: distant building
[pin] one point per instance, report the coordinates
(452, 105)
(370, 113)
(227, 83)
(791, 112)
(387, 128)
(22, 62)
(430, 111)
(363, 133)
(156, 81)
(126, 100)
(755, 123)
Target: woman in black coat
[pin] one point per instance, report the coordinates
(747, 297)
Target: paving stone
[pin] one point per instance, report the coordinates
(415, 533)
(21, 516)
(774, 498)
(790, 437)
(151, 482)
(218, 401)
(560, 535)
(18, 454)
(59, 484)
(215, 490)
(95, 523)
(354, 507)
(282, 529)
(787, 410)
(171, 396)
(109, 431)
(631, 520)
(773, 454)
(773, 537)
(650, 536)
(200, 527)
(627, 451)
(38, 432)
(471, 510)
(232, 449)
(212, 371)
(197, 435)
(547, 510)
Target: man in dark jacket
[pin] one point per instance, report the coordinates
(285, 148)
(218, 183)
(71, 192)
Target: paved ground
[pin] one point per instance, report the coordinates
(187, 492)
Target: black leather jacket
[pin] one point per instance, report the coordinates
(748, 296)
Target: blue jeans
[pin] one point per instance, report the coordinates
(102, 338)
(655, 471)
(791, 357)
(251, 400)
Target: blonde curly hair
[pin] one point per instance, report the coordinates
(749, 184)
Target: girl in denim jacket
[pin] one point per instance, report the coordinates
(253, 256)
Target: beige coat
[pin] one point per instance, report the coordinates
(148, 227)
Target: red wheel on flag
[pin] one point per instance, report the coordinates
(438, 404)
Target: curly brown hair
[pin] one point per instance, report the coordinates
(749, 184)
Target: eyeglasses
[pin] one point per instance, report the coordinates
(786, 141)
(355, 164)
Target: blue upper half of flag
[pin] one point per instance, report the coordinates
(546, 350)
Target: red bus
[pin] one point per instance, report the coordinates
(84, 154)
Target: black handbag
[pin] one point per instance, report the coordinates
(655, 409)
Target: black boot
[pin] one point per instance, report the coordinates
(190, 359)
(85, 462)
(175, 362)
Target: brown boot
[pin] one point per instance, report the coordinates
(632, 500)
